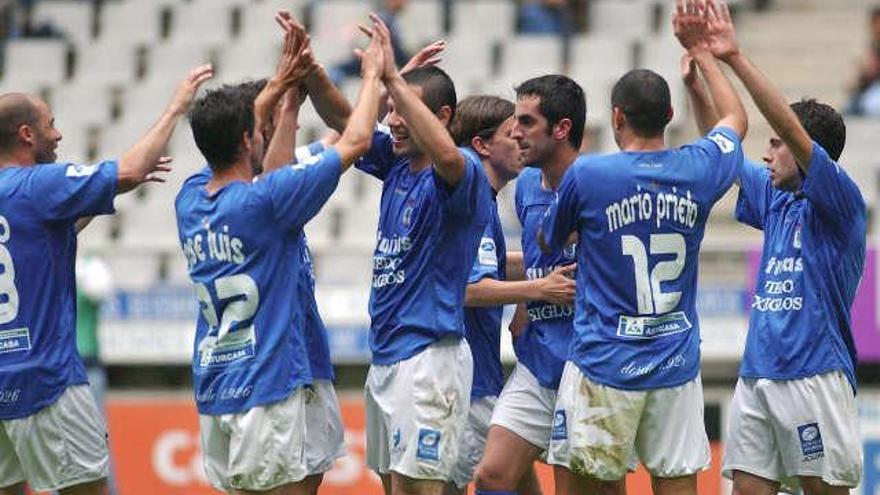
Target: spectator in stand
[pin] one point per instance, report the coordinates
(865, 98)
(545, 17)
(388, 11)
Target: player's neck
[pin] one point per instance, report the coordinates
(554, 168)
(17, 158)
(631, 142)
(240, 171)
(496, 181)
(419, 162)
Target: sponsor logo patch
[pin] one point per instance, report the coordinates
(17, 339)
(811, 441)
(723, 142)
(80, 170)
(560, 431)
(429, 444)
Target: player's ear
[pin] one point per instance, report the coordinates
(26, 134)
(444, 114)
(479, 145)
(562, 129)
(618, 119)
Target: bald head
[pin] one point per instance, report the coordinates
(26, 124)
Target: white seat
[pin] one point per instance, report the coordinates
(249, 57)
(258, 18)
(493, 19)
(132, 21)
(74, 19)
(621, 17)
(106, 63)
(208, 22)
(663, 56)
(468, 60)
(420, 22)
(32, 64)
(335, 30)
(174, 59)
(80, 104)
(524, 57)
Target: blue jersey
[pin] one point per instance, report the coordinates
(813, 259)
(317, 343)
(428, 237)
(38, 208)
(640, 218)
(242, 249)
(482, 325)
(543, 345)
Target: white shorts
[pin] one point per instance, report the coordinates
(782, 429)
(260, 449)
(61, 445)
(417, 409)
(473, 440)
(526, 408)
(325, 435)
(599, 430)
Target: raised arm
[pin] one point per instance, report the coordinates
(691, 26)
(705, 115)
(429, 133)
(142, 162)
(768, 99)
(283, 143)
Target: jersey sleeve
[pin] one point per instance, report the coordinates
(561, 219)
(723, 148)
(297, 192)
(303, 153)
(462, 199)
(755, 193)
(68, 192)
(379, 160)
(487, 264)
(831, 190)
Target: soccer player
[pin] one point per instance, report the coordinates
(434, 208)
(550, 118)
(793, 421)
(631, 386)
(52, 435)
(483, 125)
(240, 240)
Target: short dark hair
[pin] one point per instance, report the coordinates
(16, 110)
(250, 89)
(218, 120)
(561, 98)
(875, 12)
(479, 116)
(824, 125)
(643, 97)
(438, 90)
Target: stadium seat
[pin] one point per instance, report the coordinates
(860, 159)
(106, 63)
(248, 57)
(468, 60)
(74, 19)
(420, 23)
(546, 49)
(208, 22)
(258, 17)
(132, 21)
(631, 18)
(663, 54)
(492, 20)
(173, 59)
(34, 64)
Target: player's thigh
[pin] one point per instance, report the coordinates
(682, 485)
(70, 446)
(579, 484)
(750, 443)
(405, 485)
(325, 435)
(507, 456)
(671, 441)
(596, 427)
(472, 442)
(750, 484)
(11, 473)
(816, 425)
(14, 489)
(526, 408)
(812, 485)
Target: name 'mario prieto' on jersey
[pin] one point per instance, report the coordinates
(243, 251)
(428, 238)
(811, 265)
(636, 325)
(39, 206)
(543, 345)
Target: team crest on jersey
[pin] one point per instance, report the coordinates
(796, 242)
(570, 251)
(811, 441)
(560, 430)
(429, 444)
(723, 142)
(488, 255)
(408, 209)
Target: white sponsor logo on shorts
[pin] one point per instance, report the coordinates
(429, 444)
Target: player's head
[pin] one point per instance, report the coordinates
(222, 124)
(640, 104)
(485, 123)
(27, 129)
(437, 92)
(824, 125)
(551, 111)
(875, 25)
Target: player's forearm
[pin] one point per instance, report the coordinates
(265, 104)
(358, 134)
(705, 115)
(730, 109)
(515, 266)
(283, 143)
(329, 102)
(138, 161)
(429, 133)
(774, 107)
(491, 292)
